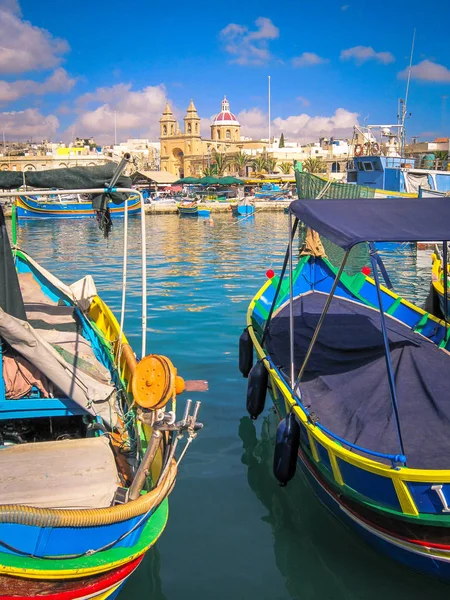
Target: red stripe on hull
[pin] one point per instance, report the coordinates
(66, 589)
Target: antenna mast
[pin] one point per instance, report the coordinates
(405, 103)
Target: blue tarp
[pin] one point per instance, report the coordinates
(349, 222)
(345, 382)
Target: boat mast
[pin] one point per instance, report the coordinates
(405, 103)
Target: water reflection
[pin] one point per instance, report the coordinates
(317, 556)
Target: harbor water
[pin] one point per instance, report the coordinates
(232, 533)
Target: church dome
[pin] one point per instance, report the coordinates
(225, 117)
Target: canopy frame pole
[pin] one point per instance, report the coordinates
(120, 190)
(124, 277)
(321, 320)
(445, 261)
(387, 353)
(291, 304)
(280, 281)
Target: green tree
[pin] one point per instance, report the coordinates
(220, 162)
(240, 160)
(441, 159)
(281, 144)
(209, 171)
(314, 165)
(271, 164)
(286, 167)
(260, 163)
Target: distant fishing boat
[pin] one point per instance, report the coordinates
(87, 431)
(271, 191)
(63, 206)
(358, 378)
(188, 208)
(243, 210)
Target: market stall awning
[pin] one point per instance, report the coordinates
(159, 177)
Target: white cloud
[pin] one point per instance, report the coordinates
(58, 82)
(249, 47)
(135, 112)
(308, 59)
(428, 71)
(302, 128)
(29, 123)
(345, 7)
(23, 46)
(361, 54)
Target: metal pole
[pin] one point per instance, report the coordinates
(291, 304)
(280, 281)
(322, 317)
(390, 373)
(124, 272)
(144, 275)
(269, 106)
(444, 258)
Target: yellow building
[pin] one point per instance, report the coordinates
(186, 154)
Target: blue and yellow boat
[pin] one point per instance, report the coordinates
(62, 206)
(88, 434)
(359, 379)
(188, 208)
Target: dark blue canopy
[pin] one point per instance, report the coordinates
(349, 222)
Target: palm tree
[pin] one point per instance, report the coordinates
(314, 165)
(271, 164)
(220, 163)
(286, 168)
(209, 171)
(240, 160)
(441, 157)
(260, 163)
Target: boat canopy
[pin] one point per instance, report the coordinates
(352, 221)
(63, 179)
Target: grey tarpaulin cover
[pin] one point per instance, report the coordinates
(10, 295)
(345, 382)
(68, 179)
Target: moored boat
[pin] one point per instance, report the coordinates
(357, 378)
(243, 209)
(64, 207)
(188, 208)
(87, 431)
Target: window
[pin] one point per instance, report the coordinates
(189, 128)
(368, 166)
(165, 130)
(171, 130)
(196, 128)
(335, 167)
(218, 134)
(228, 134)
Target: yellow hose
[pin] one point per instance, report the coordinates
(89, 517)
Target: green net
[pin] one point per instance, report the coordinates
(310, 186)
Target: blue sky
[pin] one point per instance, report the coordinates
(68, 67)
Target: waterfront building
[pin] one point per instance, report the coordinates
(186, 153)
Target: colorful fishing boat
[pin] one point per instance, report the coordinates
(357, 376)
(188, 208)
(243, 209)
(439, 283)
(63, 206)
(88, 432)
(272, 191)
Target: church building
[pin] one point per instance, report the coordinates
(187, 154)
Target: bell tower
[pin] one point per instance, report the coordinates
(192, 122)
(167, 123)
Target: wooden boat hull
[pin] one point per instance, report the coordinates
(396, 509)
(97, 587)
(188, 211)
(243, 210)
(29, 208)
